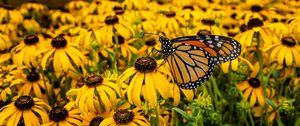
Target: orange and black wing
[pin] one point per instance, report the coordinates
(221, 48)
(190, 65)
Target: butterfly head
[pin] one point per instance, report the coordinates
(166, 46)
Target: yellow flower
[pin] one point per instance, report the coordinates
(112, 26)
(33, 7)
(25, 52)
(10, 15)
(61, 18)
(286, 52)
(126, 49)
(9, 78)
(75, 6)
(88, 101)
(258, 112)
(143, 21)
(169, 23)
(5, 42)
(209, 25)
(234, 64)
(253, 90)
(25, 110)
(10, 30)
(125, 117)
(150, 44)
(68, 115)
(33, 84)
(176, 94)
(252, 11)
(62, 55)
(255, 25)
(146, 80)
(136, 4)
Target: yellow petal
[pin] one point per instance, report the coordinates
(46, 58)
(136, 95)
(150, 90)
(252, 99)
(176, 94)
(296, 55)
(107, 121)
(281, 55)
(244, 85)
(130, 87)
(161, 83)
(247, 93)
(260, 96)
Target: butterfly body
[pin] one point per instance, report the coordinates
(192, 58)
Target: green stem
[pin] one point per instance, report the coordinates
(261, 74)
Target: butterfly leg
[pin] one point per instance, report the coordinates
(154, 49)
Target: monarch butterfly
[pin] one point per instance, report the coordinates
(192, 58)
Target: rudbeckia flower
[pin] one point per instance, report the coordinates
(62, 17)
(125, 117)
(169, 23)
(253, 89)
(126, 49)
(75, 6)
(254, 11)
(112, 26)
(5, 42)
(89, 101)
(94, 119)
(254, 26)
(177, 94)
(286, 52)
(33, 84)
(25, 52)
(10, 15)
(28, 9)
(9, 78)
(258, 112)
(25, 110)
(209, 25)
(62, 55)
(136, 4)
(150, 44)
(147, 81)
(67, 115)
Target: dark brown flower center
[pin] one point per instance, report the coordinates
(123, 116)
(256, 8)
(288, 41)
(203, 32)
(170, 13)
(188, 7)
(255, 22)
(233, 16)
(145, 64)
(243, 28)
(121, 39)
(94, 80)
(96, 121)
(208, 21)
(254, 82)
(118, 10)
(150, 42)
(24, 102)
(59, 42)
(110, 20)
(31, 39)
(33, 76)
(58, 113)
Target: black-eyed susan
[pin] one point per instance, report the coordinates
(169, 23)
(136, 4)
(97, 95)
(208, 24)
(287, 51)
(146, 80)
(62, 54)
(259, 111)
(8, 81)
(10, 15)
(256, 27)
(94, 119)
(32, 9)
(111, 27)
(25, 110)
(25, 52)
(29, 26)
(5, 42)
(253, 89)
(75, 6)
(126, 49)
(10, 30)
(59, 17)
(34, 84)
(125, 117)
(67, 115)
(256, 10)
(150, 44)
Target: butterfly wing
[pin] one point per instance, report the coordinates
(221, 48)
(190, 65)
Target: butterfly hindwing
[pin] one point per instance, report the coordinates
(190, 65)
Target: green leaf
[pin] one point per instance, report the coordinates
(183, 113)
(270, 102)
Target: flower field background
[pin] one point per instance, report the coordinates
(96, 63)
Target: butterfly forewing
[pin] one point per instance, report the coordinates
(221, 48)
(190, 65)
